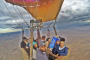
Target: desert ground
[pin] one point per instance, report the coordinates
(77, 40)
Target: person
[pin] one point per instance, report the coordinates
(47, 42)
(34, 47)
(61, 50)
(34, 43)
(55, 46)
(53, 52)
(41, 54)
(23, 45)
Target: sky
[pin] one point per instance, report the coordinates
(72, 13)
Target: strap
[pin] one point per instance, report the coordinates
(38, 37)
(48, 33)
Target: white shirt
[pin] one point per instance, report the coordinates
(61, 48)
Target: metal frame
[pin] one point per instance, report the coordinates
(37, 27)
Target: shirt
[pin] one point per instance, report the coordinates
(23, 44)
(63, 51)
(54, 50)
(28, 45)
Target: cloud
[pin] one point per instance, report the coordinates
(74, 10)
(7, 30)
(87, 21)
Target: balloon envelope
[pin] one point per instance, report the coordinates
(46, 10)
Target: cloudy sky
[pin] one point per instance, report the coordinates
(73, 12)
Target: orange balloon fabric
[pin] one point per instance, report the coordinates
(46, 10)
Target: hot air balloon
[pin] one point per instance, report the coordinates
(46, 10)
(43, 10)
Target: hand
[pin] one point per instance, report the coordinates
(27, 47)
(56, 59)
(57, 36)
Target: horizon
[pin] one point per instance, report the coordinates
(74, 14)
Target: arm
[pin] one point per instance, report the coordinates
(65, 53)
(54, 50)
(54, 55)
(23, 45)
(59, 57)
(35, 45)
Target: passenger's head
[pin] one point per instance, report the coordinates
(43, 37)
(29, 39)
(48, 39)
(62, 42)
(24, 39)
(58, 42)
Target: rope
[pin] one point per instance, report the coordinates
(38, 37)
(48, 32)
(20, 12)
(26, 7)
(21, 16)
(12, 15)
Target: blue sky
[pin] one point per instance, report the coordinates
(73, 12)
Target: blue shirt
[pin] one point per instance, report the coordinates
(54, 50)
(62, 52)
(28, 45)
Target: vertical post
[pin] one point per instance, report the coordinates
(38, 37)
(31, 41)
(31, 45)
(55, 30)
(22, 34)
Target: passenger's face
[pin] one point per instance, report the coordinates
(62, 43)
(25, 40)
(44, 38)
(57, 42)
(49, 40)
(29, 40)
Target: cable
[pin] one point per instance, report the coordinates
(21, 17)
(12, 15)
(26, 6)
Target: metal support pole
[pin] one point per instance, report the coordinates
(31, 46)
(31, 41)
(38, 37)
(22, 34)
(55, 30)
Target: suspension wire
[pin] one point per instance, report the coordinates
(49, 24)
(18, 20)
(55, 22)
(21, 17)
(12, 15)
(26, 6)
(31, 8)
(21, 13)
(14, 3)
